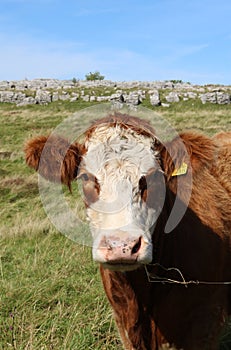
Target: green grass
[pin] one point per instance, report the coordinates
(51, 296)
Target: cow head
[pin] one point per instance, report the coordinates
(119, 166)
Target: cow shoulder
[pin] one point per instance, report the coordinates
(222, 163)
(223, 139)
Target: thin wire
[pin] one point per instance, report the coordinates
(153, 278)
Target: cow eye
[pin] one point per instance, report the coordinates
(89, 186)
(142, 185)
(84, 177)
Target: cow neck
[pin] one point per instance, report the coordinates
(163, 255)
(158, 230)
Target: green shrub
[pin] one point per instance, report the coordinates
(94, 76)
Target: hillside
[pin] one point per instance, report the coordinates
(43, 91)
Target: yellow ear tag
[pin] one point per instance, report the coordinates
(182, 170)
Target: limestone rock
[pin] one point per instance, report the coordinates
(155, 98)
(44, 91)
(223, 98)
(132, 98)
(166, 105)
(27, 101)
(92, 98)
(43, 97)
(210, 97)
(4, 85)
(116, 96)
(172, 97)
(64, 96)
(74, 97)
(55, 96)
(86, 98)
(7, 96)
(102, 98)
(191, 95)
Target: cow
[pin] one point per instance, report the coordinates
(165, 289)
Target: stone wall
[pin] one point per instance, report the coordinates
(44, 91)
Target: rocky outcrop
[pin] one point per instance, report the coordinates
(154, 98)
(44, 91)
(27, 101)
(69, 84)
(215, 97)
(134, 97)
(223, 98)
(43, 97)
(172, 97)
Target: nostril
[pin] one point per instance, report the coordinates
(136, 247)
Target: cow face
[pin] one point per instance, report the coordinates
(122, 182)
(123, 187)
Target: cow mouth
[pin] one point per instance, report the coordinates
(121, 266)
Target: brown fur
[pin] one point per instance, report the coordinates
(223, 138)
(140, 126)
(194, 149)
(149, 314)
(222, 166)
(54, 157)
(91, 188)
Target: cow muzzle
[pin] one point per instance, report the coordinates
(123, 253)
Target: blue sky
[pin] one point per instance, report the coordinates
(125, 40)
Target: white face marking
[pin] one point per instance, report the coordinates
(118, 158)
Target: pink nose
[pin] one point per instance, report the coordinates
(113, 250)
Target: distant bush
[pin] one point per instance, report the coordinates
(74, 80)
(94, 76)
(176, 81)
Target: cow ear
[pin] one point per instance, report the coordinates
(183, 157)
(187, 150)
(54, 158)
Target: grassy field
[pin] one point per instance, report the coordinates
(51, 295)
